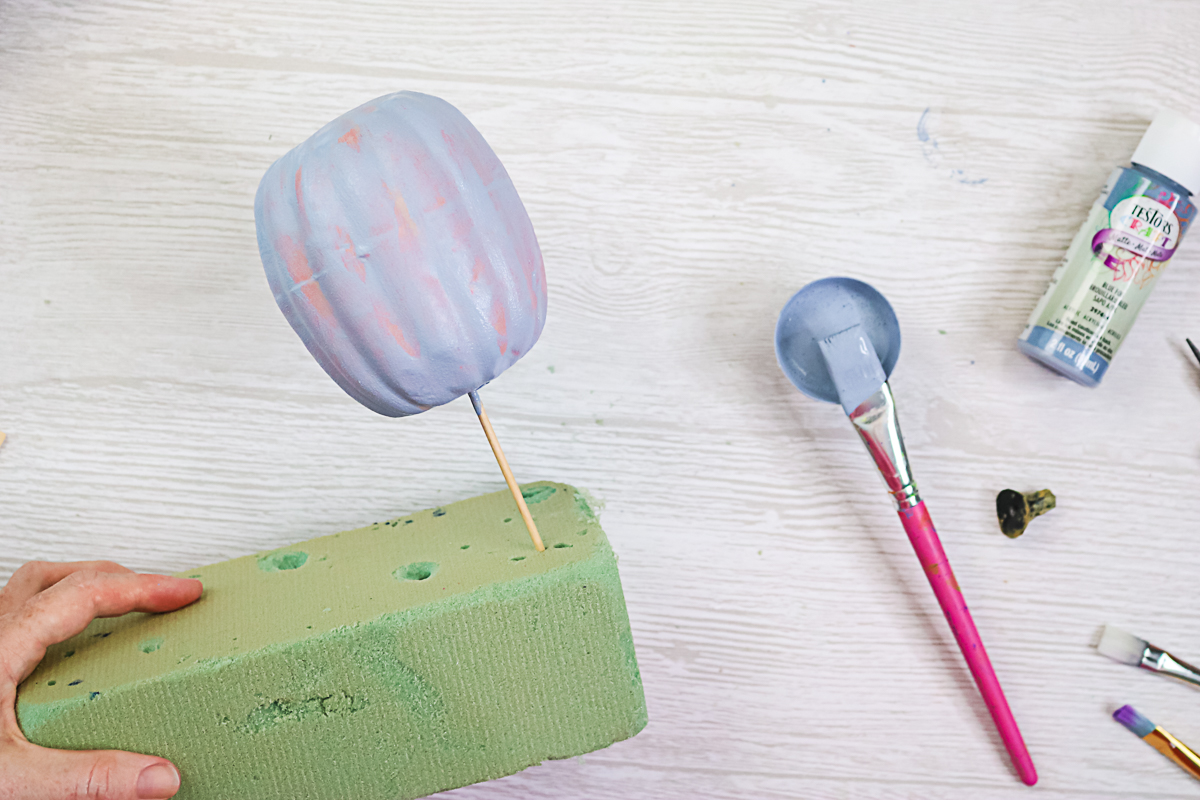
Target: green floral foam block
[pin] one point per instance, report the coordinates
(393, 661)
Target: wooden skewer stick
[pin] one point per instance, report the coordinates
(508, 476)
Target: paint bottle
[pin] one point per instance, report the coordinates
(1114, 261)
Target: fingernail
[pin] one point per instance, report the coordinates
(158, 782)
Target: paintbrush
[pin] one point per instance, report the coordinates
(866, 398)
(1129, 649)
(1159, 739)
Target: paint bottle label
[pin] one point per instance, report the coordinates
(1106, 275)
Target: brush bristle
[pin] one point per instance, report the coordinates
(1130, 718)
(1121, 646)
(853, 365)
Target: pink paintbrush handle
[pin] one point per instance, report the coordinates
(924, 538)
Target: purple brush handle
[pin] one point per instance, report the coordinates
(924, 538)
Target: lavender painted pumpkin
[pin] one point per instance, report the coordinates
(398, 249)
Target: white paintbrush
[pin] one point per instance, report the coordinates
(1129, 649)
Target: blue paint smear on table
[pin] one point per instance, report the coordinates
(933, 153)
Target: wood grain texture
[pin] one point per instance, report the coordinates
(687, 167)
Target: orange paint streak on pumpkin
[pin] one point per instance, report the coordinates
(500, 323)
(299, 192)
(302, 276)
(294, 257)
(350, 254)
(388, 324)
(433, 182)
(351, 138)
(316, 298)
(434, 290)
(498, 320)
(406, 229)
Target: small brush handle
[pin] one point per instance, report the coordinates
(924, 538)
(1175, 750)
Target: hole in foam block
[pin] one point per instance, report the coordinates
(465, 547)
(418, 571)
(439, 512)
(517, 558)
(279, 562)
(51, 683)
(561, 545)
(151, 645)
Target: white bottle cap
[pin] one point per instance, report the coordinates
(1171, 146)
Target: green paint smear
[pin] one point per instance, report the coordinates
(278, 562)
(537, 494)
(584, 507)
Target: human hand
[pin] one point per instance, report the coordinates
(46, 603)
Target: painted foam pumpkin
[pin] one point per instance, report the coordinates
(397, 247)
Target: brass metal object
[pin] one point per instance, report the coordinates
(1015, 510)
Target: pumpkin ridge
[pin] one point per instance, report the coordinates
(278, 279)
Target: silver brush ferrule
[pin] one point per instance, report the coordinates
(1159, 660)
(879, 428)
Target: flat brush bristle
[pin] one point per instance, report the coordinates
(1121, 646)
(853, 366)
(1130, 718)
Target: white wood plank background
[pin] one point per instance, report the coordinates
(687, 166)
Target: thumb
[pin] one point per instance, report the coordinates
(42, 774)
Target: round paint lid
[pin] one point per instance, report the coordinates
(821, 309)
